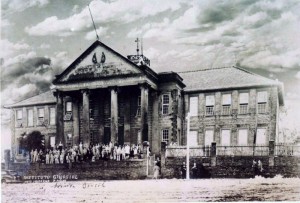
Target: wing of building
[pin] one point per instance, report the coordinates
(105, 97)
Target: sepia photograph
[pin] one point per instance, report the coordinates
(150, 101)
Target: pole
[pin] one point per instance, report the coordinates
(147, 160)
(93, 23)
(188, 147)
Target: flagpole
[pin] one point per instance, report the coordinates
(188, 147)
(93, 23)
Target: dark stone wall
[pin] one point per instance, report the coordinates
(234, 167)
(101, 170)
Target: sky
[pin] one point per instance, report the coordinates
(40, 38)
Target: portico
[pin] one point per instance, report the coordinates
(110, 100)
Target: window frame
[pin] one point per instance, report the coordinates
(205, 135)
(226, 106)
(163, 139)
(19, 121)
(238, 136)
(30, 120)
(40, 119)
(221, 136)
(261, 104)
(195, 112)
(243, 107)
(67, 107)
(210, 109)
(167, 105)
(266, 136)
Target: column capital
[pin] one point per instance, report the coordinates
(144, 85)
(58, 93)
(115, 88)
(85, 91)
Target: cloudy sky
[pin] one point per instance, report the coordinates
(40, 38)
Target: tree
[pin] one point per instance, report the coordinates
(33, 140)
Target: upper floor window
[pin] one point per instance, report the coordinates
(41, 115)
(19, 114)
(52, 116)
(226, 103)
(244, 101)
(262, 98)
(138, 113)
(209, 103)
(19, 118)
(30, 117)
(165, 135)
(193, 106)
(165, 104)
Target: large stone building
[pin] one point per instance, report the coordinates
(103, 96)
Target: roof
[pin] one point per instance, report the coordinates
(223, 78)
(226, 78)
(43, 98)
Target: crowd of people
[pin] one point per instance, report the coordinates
(80, 153)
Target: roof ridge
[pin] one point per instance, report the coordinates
(255, 74)
(205, 69)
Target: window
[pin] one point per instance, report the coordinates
(19, 114)
(193, 106)
(41, 115)
(165, 104)
(69, 140)
(68, 115)
(261, 136)
(68, 106)
(209, 137)
(52, 116)
(225, 138)
(165, 135)
(193, 138)
(52, 141)
(244, 100)
(262, 98)
(210, 103)
(226, 103)
(243, 137)
(138, 113)
(19, 118)
(30, 117)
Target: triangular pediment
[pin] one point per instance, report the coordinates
(98, 62)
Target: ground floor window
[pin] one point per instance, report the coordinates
(208, 137)
(165, 135)
(225, 137)
(243, 137)
(52, 141)
(261, 136)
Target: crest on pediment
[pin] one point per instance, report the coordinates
(98, 61)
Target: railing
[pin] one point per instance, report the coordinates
(180, 151)
(287, 150)
(205, 151)
(242, 150)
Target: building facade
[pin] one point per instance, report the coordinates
(105, 97)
